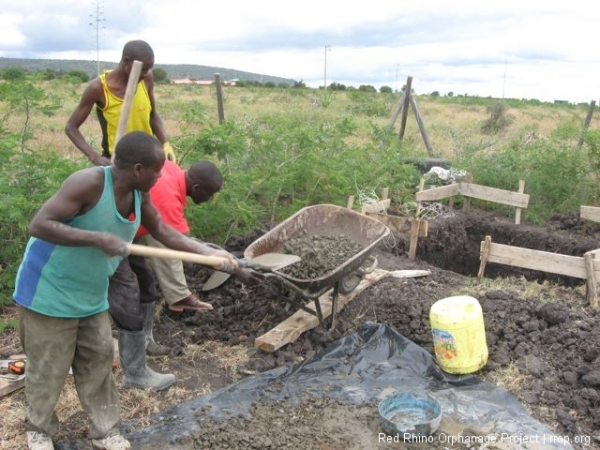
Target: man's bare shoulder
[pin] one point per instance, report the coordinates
(85, 181)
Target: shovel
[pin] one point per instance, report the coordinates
(267, 262)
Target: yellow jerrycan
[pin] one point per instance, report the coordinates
(458, 334)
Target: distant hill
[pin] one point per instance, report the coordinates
(174, 71)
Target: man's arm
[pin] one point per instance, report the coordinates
(92, 94)
(156, 122)
(78, 193)
(171, 238)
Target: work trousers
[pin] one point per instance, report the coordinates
(53, 345)
(170, 275)
(131, 284)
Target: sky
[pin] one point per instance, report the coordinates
(525, 49)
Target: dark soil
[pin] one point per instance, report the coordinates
(538, 326)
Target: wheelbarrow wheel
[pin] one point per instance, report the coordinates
(349, 283)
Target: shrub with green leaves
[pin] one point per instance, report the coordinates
(31, 180)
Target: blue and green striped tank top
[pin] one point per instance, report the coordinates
(71, 282)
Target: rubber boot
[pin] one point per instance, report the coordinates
(152, 348)
(132, 353)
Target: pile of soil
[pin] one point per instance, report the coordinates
(539, 329)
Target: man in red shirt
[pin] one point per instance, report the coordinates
(132, 299)
(170, 196)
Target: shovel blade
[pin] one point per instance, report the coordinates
(272, 261)
(268, 261)
(216, 279)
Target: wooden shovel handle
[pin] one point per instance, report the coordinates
(166, 253)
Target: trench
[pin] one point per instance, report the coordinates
(453, 243)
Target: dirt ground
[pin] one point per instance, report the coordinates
(543, 341)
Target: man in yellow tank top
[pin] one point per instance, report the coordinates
(107, 93)
(133, 278)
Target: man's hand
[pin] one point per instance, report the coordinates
(248, 276)
(169, 152)
(112, 245)
(230, 263)
(100, 160)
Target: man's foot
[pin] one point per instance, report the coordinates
(39, 441)
(114, 442)
(190, 303)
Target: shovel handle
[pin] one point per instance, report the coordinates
(166, 253)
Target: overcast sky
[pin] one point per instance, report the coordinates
(542, 49)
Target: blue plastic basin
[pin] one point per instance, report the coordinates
(410, 413)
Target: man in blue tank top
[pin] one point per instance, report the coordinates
(79, 237)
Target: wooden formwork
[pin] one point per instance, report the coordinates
(470, 190)
(584, 267)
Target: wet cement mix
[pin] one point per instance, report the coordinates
(543, 338)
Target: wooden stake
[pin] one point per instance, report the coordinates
(518, 213)
(591, 289)
(467, 200)
(484, 255)
(421, 187)
(350, 202)
(414, 238)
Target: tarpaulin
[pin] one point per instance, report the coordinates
(361, 368)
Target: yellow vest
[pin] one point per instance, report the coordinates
(139, 118)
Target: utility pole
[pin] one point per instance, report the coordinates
(327, 49)
(97, 18)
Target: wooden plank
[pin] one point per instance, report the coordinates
(8, 386)
(590, 213)
(437, 193)
(400, 224)
(290, 329)
(494, 195)
(571, 266)
(379, 206)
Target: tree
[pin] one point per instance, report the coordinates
(160, 75)
(366, 88)
(14, 73)
(386, 90)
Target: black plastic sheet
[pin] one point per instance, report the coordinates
(359, 368)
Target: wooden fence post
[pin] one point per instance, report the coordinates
(220, 108)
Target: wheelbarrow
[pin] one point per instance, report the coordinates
(329, 220)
